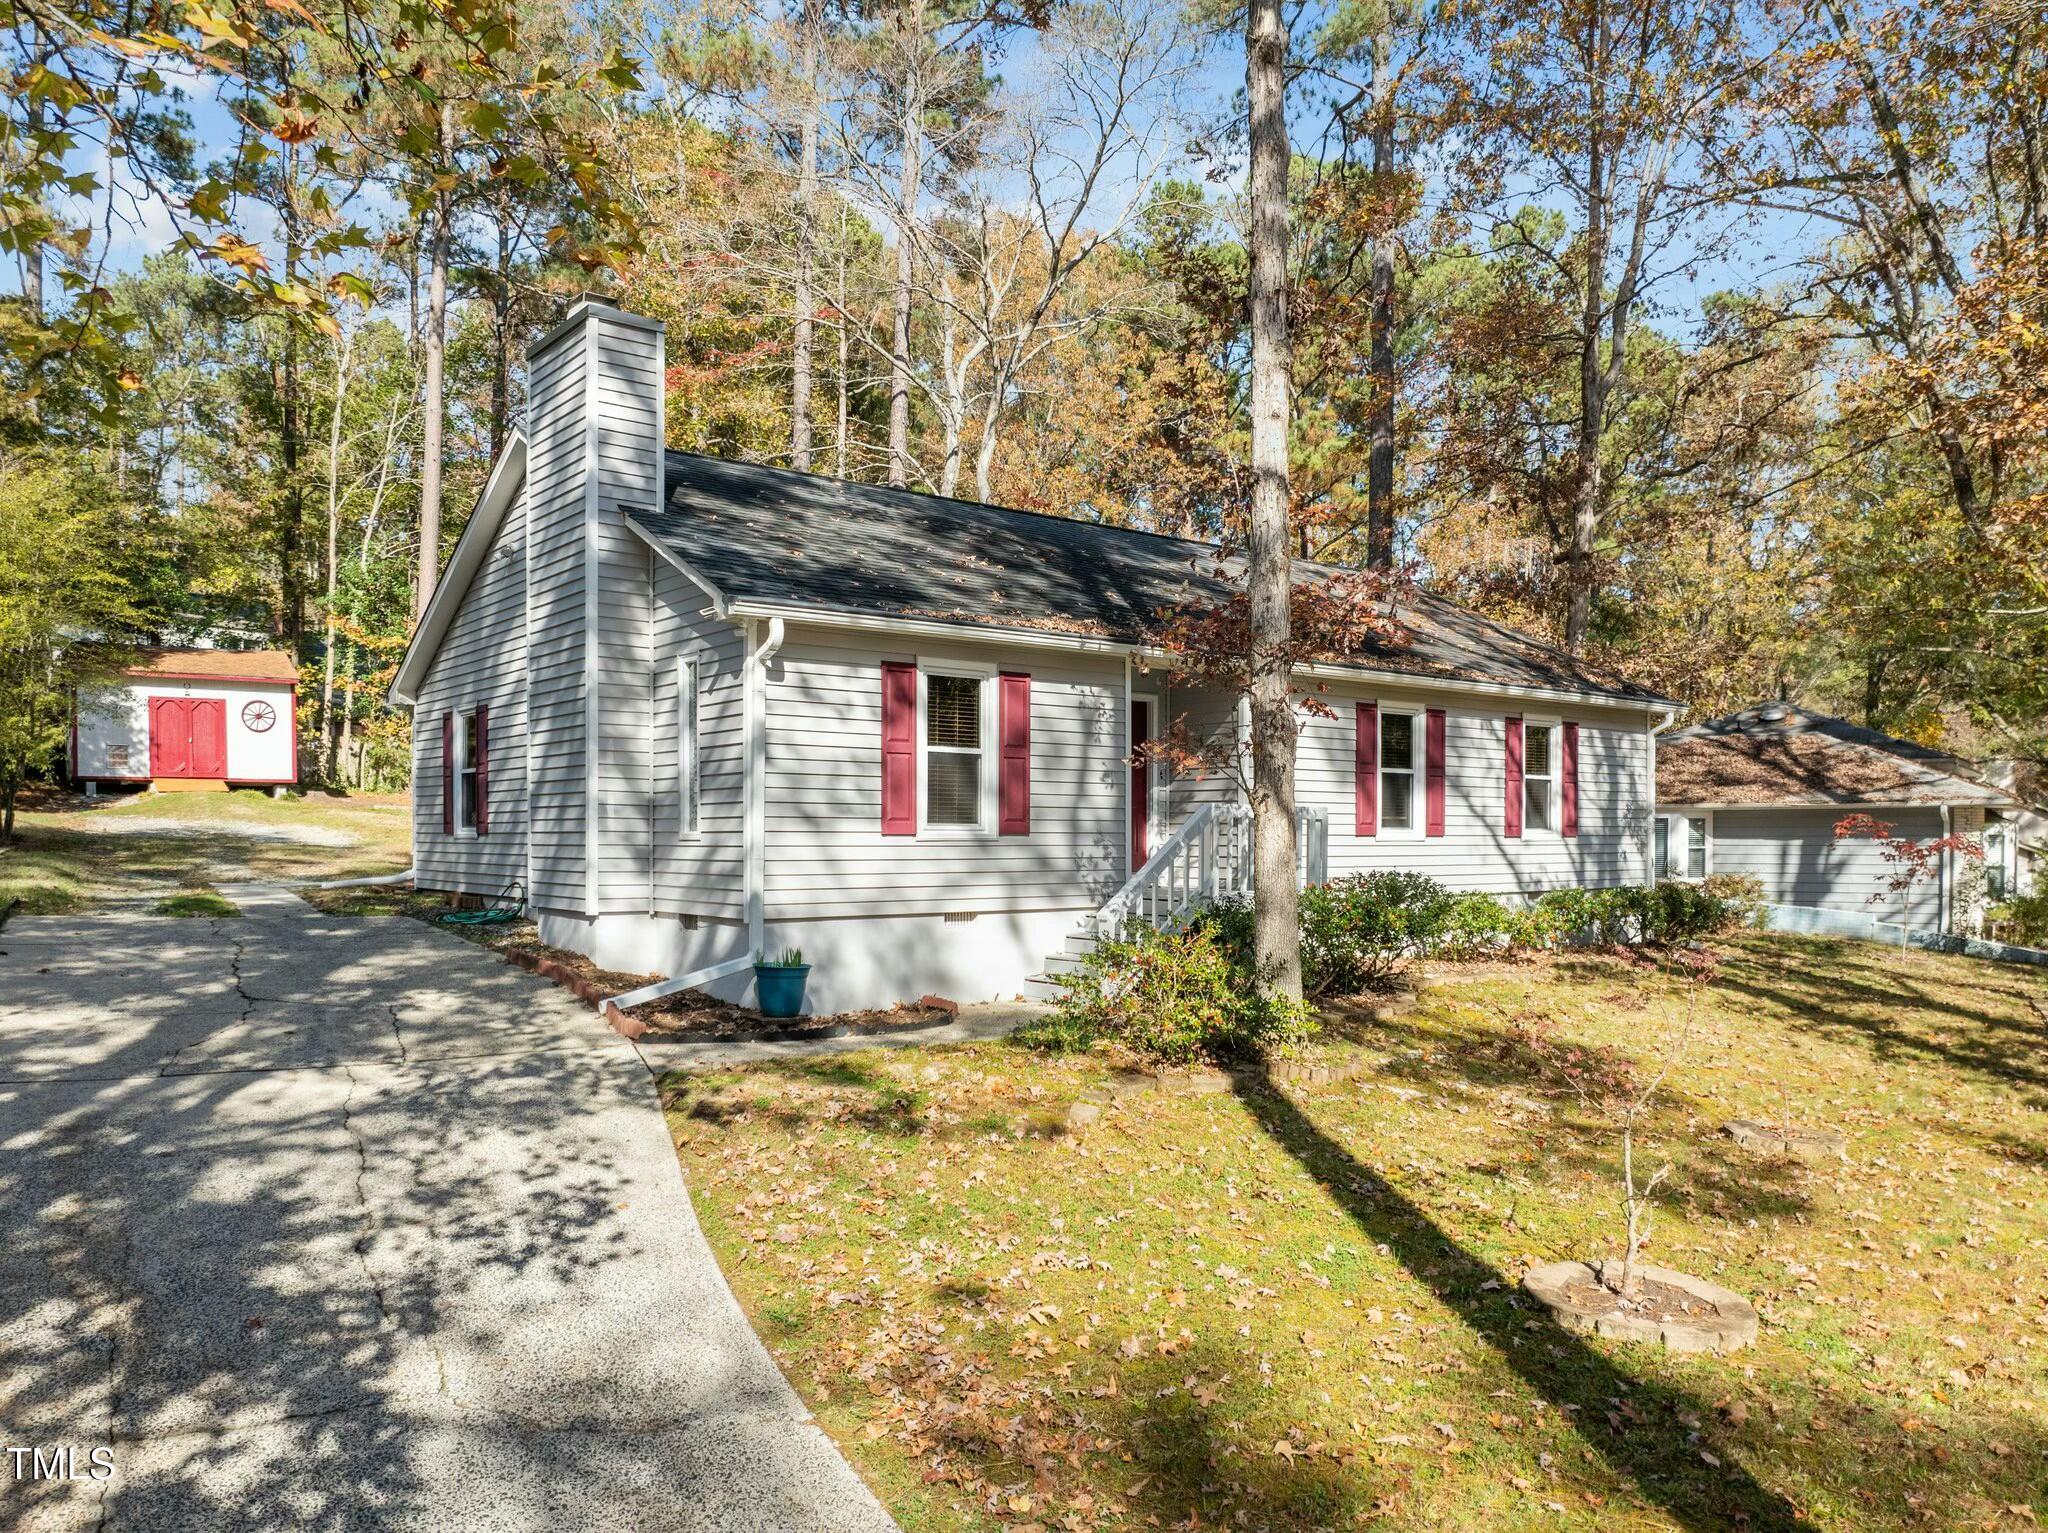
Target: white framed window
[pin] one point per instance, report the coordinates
(465, 775)
(689, 777)
(1539, 777)
(1400, 750)
(955, 755)
(1682, 842)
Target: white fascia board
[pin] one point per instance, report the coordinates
(860, 622)
(1151, 655)
(508, 474)
(719, 605)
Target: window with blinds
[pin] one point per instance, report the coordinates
(1539, 779)
(953, 734)
(1397, 771)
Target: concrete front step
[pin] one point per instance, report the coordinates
(1043, 987)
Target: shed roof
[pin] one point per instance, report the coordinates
(216, 665)
(800, 540)
(1775, 753)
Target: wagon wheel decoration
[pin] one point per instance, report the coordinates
(258, 716)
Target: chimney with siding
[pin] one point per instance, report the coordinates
(595, 422)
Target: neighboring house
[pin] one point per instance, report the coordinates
(702, 710)
(2019, 845)
(192, 718)
(1761, 791)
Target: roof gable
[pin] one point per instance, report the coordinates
(508, 475)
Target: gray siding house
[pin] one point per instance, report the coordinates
(703, 710)
(1761, 791)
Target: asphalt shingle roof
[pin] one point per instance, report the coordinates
(217, 664)
(1777, 754)
(777, 536)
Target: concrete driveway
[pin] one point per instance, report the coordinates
(324, 1223)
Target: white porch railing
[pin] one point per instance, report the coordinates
(1208, 858)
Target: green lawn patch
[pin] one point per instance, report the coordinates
(1297, 1307)
(63, 859)
(196, 902)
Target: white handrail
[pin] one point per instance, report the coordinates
(1206, 859)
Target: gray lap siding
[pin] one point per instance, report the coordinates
(1794, 854)
(1475, 852)
(482, 661)
(825, 852)
(704, 874)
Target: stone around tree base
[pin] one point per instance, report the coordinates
(1721, 1321)
(1787, 1139)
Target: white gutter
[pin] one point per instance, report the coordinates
(1028, 638)
(1147, 654)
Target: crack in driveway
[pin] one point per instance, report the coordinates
(363, 1241)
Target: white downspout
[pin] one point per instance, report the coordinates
(757, 783)
(1944, 897)
(1651, 872)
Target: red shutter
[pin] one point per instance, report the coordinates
(1014, 731)
(1568, 789)
(483, 761)
(447, 774)
(1433, 773)
(1365, 767)
(899, 749)
(1514, 795)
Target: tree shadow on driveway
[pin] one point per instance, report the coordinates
(1657, 1451)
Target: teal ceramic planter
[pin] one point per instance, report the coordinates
(779, 988)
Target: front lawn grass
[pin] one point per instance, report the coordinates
(196, 902)
(63, 859)
(1296, 1307)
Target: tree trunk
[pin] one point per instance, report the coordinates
(1379, 474)
(1278, 934)
(343, 741)
(954, 415)
(806, 250)
(433, 405)
(7, 810)
(985, 453)
(911, 127)
(841, 384)
(501, 322)
(327, 727)
(1593, 375)
(32, 258)
(291, 578)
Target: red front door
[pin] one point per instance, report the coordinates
(188, 737)
(1141, 783)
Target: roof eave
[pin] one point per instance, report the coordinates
(1040, 638)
